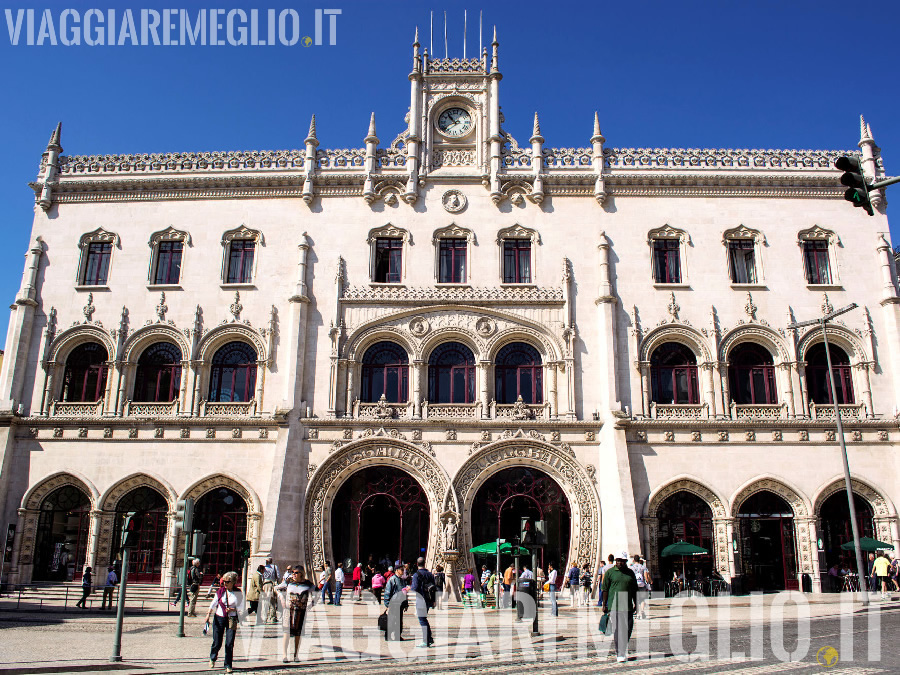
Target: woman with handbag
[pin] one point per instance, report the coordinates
(224, 611)
(85, 587)
(377, 586)
(295, 595)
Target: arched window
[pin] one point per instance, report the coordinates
(385, 371)
(817, 374)
(85, 376)
(222, 515)
(518, 372)
(673, 374)
(751, 375)
(451, 374)
(62, 535)
(233, 374)
(158, 373)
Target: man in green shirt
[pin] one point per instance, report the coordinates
(620, 601)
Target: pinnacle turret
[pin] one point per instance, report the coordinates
(598, 136)
(371, 137)
(311, 136)
(56, 139)
(865, 131)
(536, 130)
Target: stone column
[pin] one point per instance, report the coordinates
(351, 384)
(49, 386)
(865, 388)
(13, 575)
(108, 407)
(260, 382)
(197, 374)
(787, 389)
(552, 387)
(452, 583)
(644, 369)
(726, 394)
(725, 532)
(483, 376)
(91, 555)
(170, 563)
(183, 405)
(709, 388)
(125, 371)
(804, 387)
(418, 367)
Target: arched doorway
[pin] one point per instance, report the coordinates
(62, 535)
(380, 511)
(517, 493)
(222, 514)
(144, 562)
(835, 526)
(768, 548)
(684, 516)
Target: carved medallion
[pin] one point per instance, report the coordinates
(454, 201)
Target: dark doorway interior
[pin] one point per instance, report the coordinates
(222, 515)
(380, 511)
(683, 516)
(835, 526)
(768, 550)
(144, 562)
(62, 535)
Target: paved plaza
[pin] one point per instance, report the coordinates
(735, 634)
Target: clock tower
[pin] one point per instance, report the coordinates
(454, 119)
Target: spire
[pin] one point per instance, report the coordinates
(598, 136)
(371, 137)
(311, 136)
(56, 139)
(494, 42)
(416, 40)
(536, 130)
(865, 131)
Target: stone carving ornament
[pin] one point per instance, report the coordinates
(485, 326)
(454, 201)
(419, 326)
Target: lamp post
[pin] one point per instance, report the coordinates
(861, 570)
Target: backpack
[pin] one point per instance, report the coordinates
(427, 589)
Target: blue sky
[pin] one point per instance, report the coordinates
(692, 73)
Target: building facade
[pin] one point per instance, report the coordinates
(411, 347)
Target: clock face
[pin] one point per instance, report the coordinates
(455, 122)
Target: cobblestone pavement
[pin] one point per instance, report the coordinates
(474, 641)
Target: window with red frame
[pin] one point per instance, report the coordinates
(240, 261)
(815, 256)
(751, 375)
(96, 264)
(233, 374)
(385, 370)
(452, 263)
(667, 261)
(388, 260)
(518, 372)
(168, 262)
(84, 380)
(817, 374)
(451, 374)
(516, 261)
(158, 373)
(673, 374)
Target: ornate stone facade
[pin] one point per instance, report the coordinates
(586, 298)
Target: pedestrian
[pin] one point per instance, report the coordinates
(881, 569)
(439, 581)
(551, 588)
(195, 578)
(389, 573)
(325, 577)
(485, 575)
(572, 582)
(288, 575)
(587, 580)
(224, 612)
(871, 575)
(641, 575)
(338, 583)
(214, 586)
(422, 584)
(493, 587)
(295, 597)
(619, 601)
(526, 573)
(357, 582)
(606, 568)
(469, 582)
(507, 585)
(895, 572)
(254, 589)
(109, 588)
(377, 585)
(394, 598)
(270, 577)
(85, 587)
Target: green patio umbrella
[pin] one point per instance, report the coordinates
(490, 548)
(683, 548)
(868, 544)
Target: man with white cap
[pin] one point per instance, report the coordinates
(620, 601)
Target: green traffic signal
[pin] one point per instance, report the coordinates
(853, 177)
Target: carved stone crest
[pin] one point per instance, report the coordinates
(419, 326)
(454, 201)
(485, 327)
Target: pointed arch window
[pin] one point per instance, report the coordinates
(96, 257)
(817, 374)
(744, 247)
(518, 372)
(668, 248)
(84, 380)
(241, 255)
(517, 249)
(388, 244)
(158, 373)
(385, 370)
(451, 374)
(233, 374)
(673, 374)
(452, 246)
(166, 252)
(819, 248)
(751, 374)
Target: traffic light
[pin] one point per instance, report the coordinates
(199, 544)
(131, 528)
(184, 514)
(245, 549)
(527, 531)
(853, 177)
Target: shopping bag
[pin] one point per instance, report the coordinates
(605, 628)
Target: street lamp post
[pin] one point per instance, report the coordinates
(861, 570)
